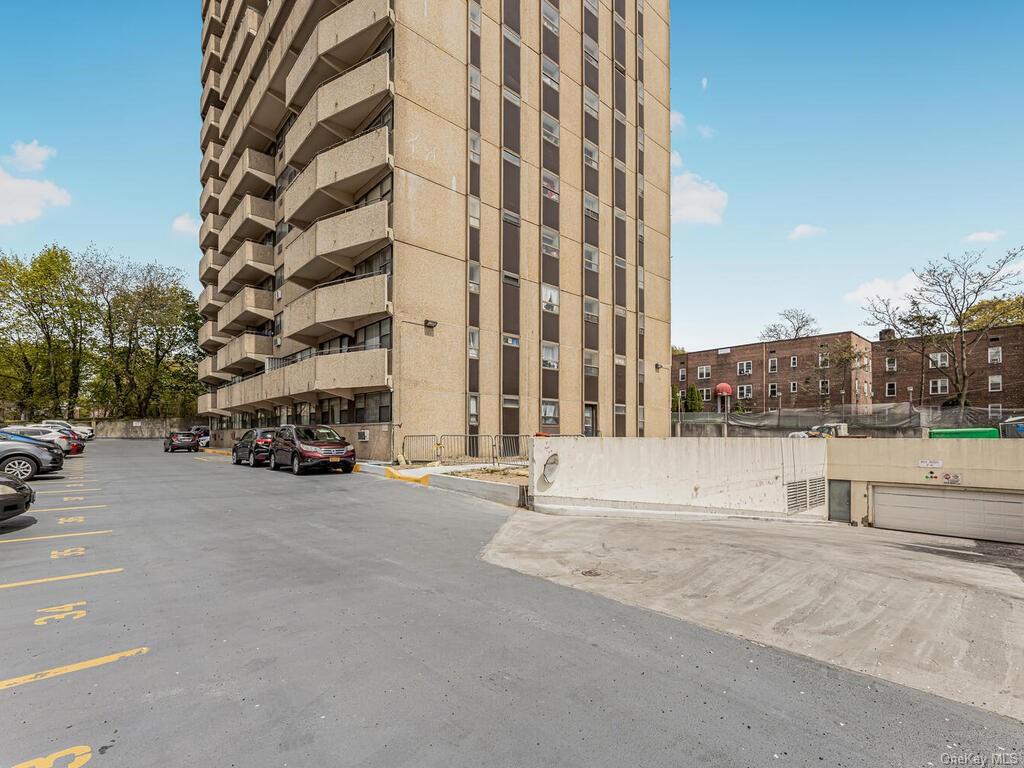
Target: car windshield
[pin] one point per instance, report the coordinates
(316, 433)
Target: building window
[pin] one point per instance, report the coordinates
(549, 185)
(938, 387)
(549, 128)
(890, 389)
(474, 17)
(823, 359)
(995, 383)
(703, 371)
(682, 374)
(995, 411)
(744, 368)
(620, 409)
(590, 206)
(620, 360)
(278, 323)
(591, 51)
(590, 257)
(474, 211)
(793, 361)
(890, 364)
(549, 413)
(474, 343)
(773, 390)
(938, 360)
(995, 355)
(591, 156)
(474, 83)
(823, 386)
(549, 72)
(549, 298)
(474, 147)
(591, 102)
(773, 365)
(705, 394)
(474, 410)
(510, 401)
(510, 341)
(591, 309)
(549, 356)
(375, 335)
(474, 277)
(549, 16)
(794, 387)
(744, 392)
(590, 364)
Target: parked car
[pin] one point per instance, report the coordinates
(43, 432)
(25, 457)
(314, 447)
(16, 497)
(86, 433)
(253, 447)
(76, 443)
(181, 441)
(203, 433)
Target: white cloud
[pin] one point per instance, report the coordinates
(696, 200)
(677, 159)
(802, 231)
(706, 131)
(29, 157)
(984, 237)
(704, 83)
(25, 199)
(185, 224)
(677, 120)
(883, 287)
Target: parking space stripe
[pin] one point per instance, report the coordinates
(78, 667)
(69, 509)
(54, 536)
(77, 490)
(67, 577)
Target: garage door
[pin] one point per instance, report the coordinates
(951, 512)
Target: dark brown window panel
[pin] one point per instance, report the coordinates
(509, 370)
(474, 375)
(620, 425)
(620, 237)
(640, 207)
(510, 421)
(590, 24)
(619, 6)
(549, 100)
(510, 15)
(591, 180)
(620, 286)
(620, 188)
(509, 246)
(549, 156)
(549, 326)
(620, 383)
(591, 283)
(474, 244)
(639, 247)
(474, 309)
(620, 335)
(640, 302)
(549, 269)
(549, 384)
(549, 212)
(640, 24)
(619, 92)
(591, 335)
(509, 308)
(474, 179)
(474, 114)
(619, 44)
(591, 77)
(619, 129)
(549, 44)
(591, 231)
(510, 136)
(474, 50)
(510, 65)
(591, 387)
(510, 186)
(591, 129)
(640, 356)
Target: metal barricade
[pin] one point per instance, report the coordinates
(420, 448)
(511, 450)
(466, 449)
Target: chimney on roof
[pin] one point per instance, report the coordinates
(886, 334)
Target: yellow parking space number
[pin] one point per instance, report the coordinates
(79, 756)
(57, 554)
(59, 612)
(66, 520)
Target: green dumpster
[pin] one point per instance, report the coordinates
(965, 433)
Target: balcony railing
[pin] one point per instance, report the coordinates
(211, 93)
(253, 174)
(336, 241)
(210, 229)
(210, 164)
(209, 200)
(209, 371)
(245, 352)
(251, 264)
(210, 265)
(210, 301)
(250, 307)
(210, 339)
(210, 130)
(338, 307)
(251, 220)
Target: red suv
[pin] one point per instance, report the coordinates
(313, 447)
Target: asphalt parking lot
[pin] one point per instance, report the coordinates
(174, 610)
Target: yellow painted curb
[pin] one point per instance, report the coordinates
(218, 451)
(391, 474)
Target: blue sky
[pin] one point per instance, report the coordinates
(888, 133)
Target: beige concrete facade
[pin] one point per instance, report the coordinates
(401, 205)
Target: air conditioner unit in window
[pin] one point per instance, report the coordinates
(363, 435)
(277, 294)
(277, 341)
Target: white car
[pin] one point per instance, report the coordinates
(43, 432)
(81, 430)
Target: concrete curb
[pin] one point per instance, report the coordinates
(499, 493)
(218, 451)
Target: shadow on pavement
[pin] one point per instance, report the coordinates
(1009, 556)
(15, 524)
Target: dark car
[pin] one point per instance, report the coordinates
(15, 497)
(253, 447)
(315, 447)
(181, 441)
(25, 457)
(76, 443)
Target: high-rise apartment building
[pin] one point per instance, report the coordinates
(443, 217)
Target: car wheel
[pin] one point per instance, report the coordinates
(166, 449)
(234, 457)
(347, 469)
(296, 467)
(252, 459)
(273, 460)
(20, 467)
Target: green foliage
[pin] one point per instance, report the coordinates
(83, 333)
(989, 313)
(694, 403)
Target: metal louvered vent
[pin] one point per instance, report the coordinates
(796, 496)
(816, 492)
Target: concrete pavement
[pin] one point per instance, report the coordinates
(345, 620)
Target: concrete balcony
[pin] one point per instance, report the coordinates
(249, 308)
(210, 340)
(210, 130)
(340, 40)
(338, 375)
(213, 23)
(210, 265)
(211, 96)
(241, 28)
(209, 231)
(249, 265)
(207, 405)
(336, 175)
(210, 165)
(209, 199)
(210, 302)
(251, 220)
(244, 353)
(337, 242)
(338, 108)
(335, 308)
(212, 61)
(208, 371)
(253, 174)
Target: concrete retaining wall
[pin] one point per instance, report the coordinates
(744, 476)
(712, 429)
(141, 429)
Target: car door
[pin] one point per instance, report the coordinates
(245, 444)
(279, 445)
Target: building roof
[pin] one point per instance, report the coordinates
(776, 341)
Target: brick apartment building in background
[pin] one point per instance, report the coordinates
(443, 219)
(995, 364)
(790, 373)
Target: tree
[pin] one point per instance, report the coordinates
(678, 350)
(694, 403)
(1009, 311)
(913, 329)
(843, 358)
(792, 324)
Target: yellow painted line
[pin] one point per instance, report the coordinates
(68, 577)
(81, 665)
(77, 490)
(199, 459)
(218, 451)
(54, 536)
(68, 509)
(391, 474)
